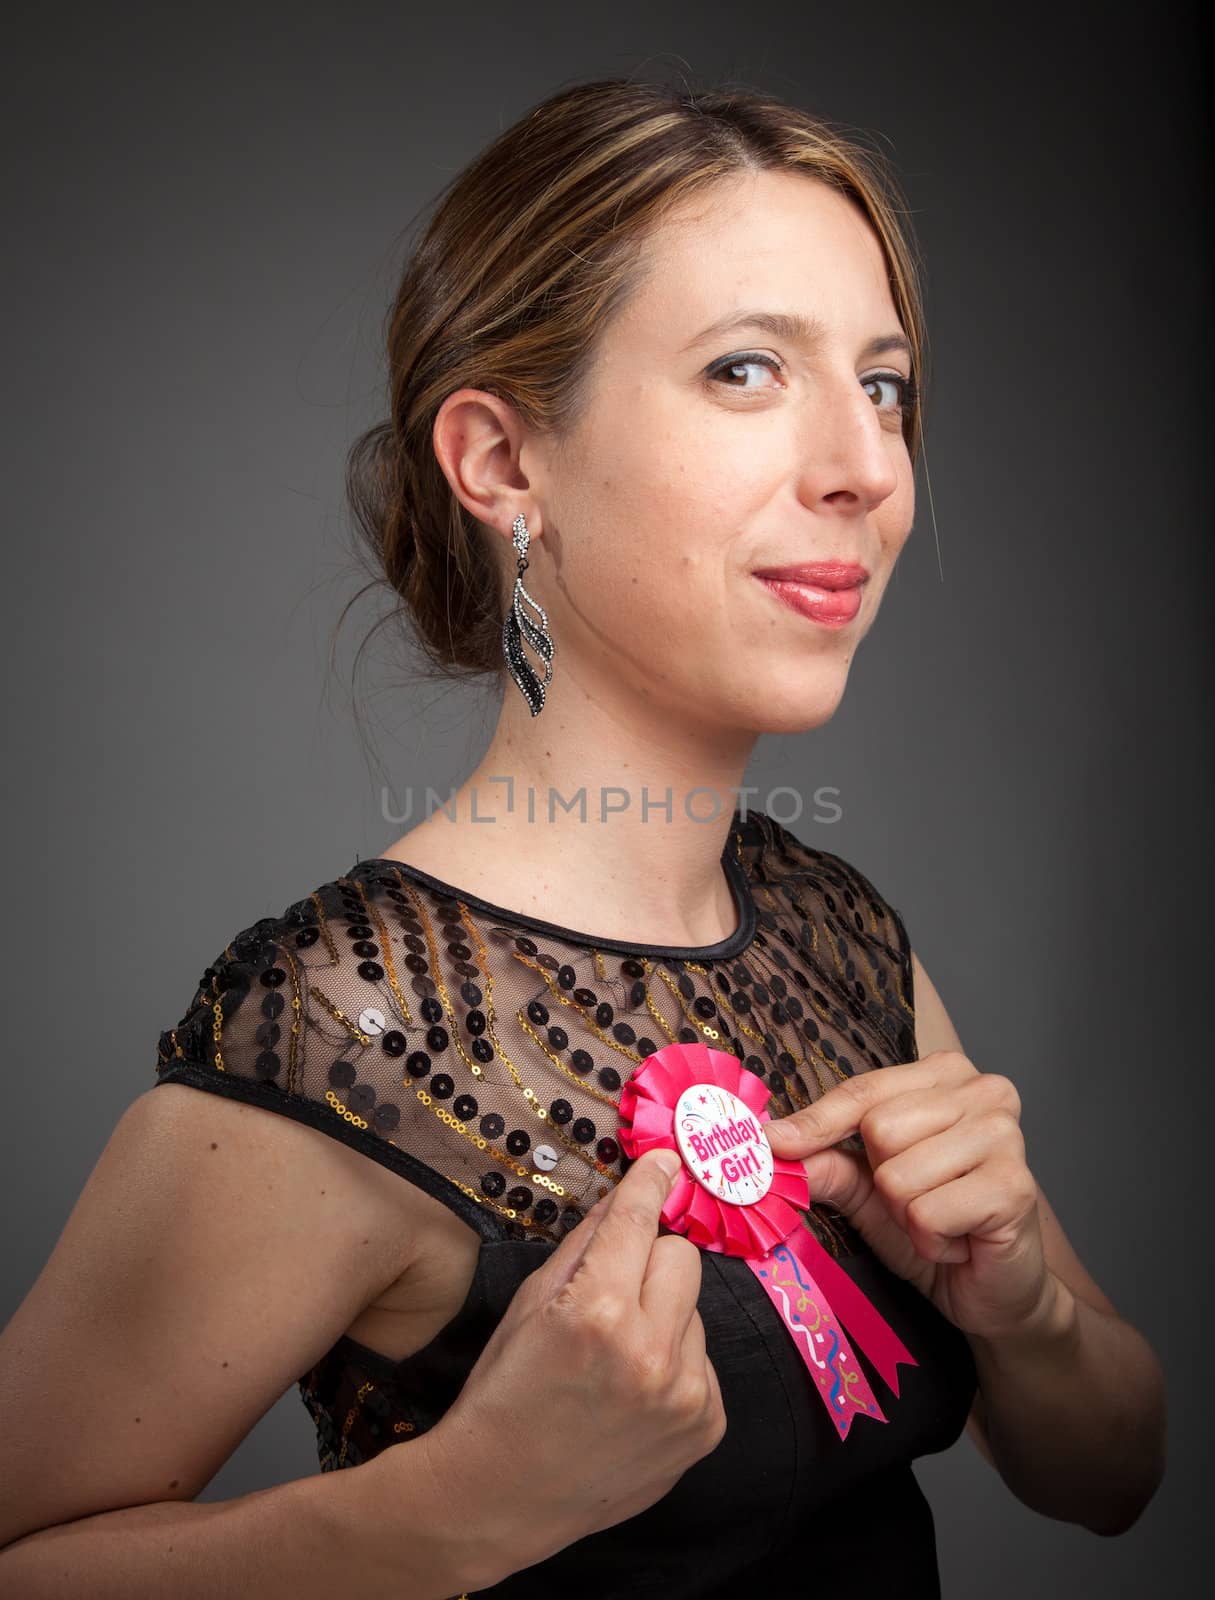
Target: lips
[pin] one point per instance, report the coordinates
(834, 607)
(826, 592)
(818, 574)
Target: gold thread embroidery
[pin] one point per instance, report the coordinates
(344, 1111)
(529, 1095)
(592, 1026)
(448, 1009)
(364, 1390)
(293, 968)
(374, 916)
(323, 928)
(338, 1015)
(217, 1029)
(652, 1006)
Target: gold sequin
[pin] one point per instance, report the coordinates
(460, 1133)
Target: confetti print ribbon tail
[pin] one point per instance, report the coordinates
(869, 1329)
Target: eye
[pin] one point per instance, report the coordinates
(907, 395)
(749, 358)
(905, 400)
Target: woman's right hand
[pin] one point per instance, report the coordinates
(594, 1394)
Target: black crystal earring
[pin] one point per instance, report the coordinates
(519, 626)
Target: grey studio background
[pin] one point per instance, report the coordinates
(205, 213)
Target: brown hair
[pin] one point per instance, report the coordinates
(530, 251)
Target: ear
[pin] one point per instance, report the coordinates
(478, 441)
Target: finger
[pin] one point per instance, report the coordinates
(670, 1290)
(564, 1261)
(838, 1113)
(694, 1352)
(934, 1162)
(895, 1125)
(714, 1386)
(838, 1178)
(567, 1257)
(695, 1343)
(989, 1205)
(694, 1355)
(621, 1244)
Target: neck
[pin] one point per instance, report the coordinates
(598, 817)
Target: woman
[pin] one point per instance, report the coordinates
(659, 353)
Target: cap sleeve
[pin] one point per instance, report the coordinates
(294, 1016)
(862, 926)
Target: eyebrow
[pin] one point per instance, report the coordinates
(796, 328)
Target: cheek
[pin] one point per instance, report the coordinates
(899, 511)
(655, 527)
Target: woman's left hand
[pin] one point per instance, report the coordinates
(942, 1195)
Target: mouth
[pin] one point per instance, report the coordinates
(828, 593)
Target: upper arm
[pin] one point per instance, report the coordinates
(935, 1031)
(214, 1254)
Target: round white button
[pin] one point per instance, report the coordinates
(723, 1145)
(545, 1157)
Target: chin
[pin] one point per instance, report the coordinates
(803, 720)
(795, 703)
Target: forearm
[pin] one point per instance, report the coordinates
(346, 1532)
(1075, 1415)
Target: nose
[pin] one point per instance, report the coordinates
(849, 453)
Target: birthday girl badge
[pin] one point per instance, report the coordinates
(736, 1196)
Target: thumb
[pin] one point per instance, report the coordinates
(838, 1178)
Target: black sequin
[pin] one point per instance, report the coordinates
(522, 1037)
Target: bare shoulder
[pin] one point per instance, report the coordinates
(214, 1254)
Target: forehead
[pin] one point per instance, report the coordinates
(780, 240)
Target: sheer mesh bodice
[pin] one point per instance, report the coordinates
(480, 1054)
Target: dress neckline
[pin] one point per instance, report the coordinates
(732, 945)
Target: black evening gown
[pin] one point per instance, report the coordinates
(407, 1017)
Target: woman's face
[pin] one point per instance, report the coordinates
(702, 459)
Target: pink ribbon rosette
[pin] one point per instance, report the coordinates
(736, 1196)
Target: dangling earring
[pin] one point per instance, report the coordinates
(519, 626)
